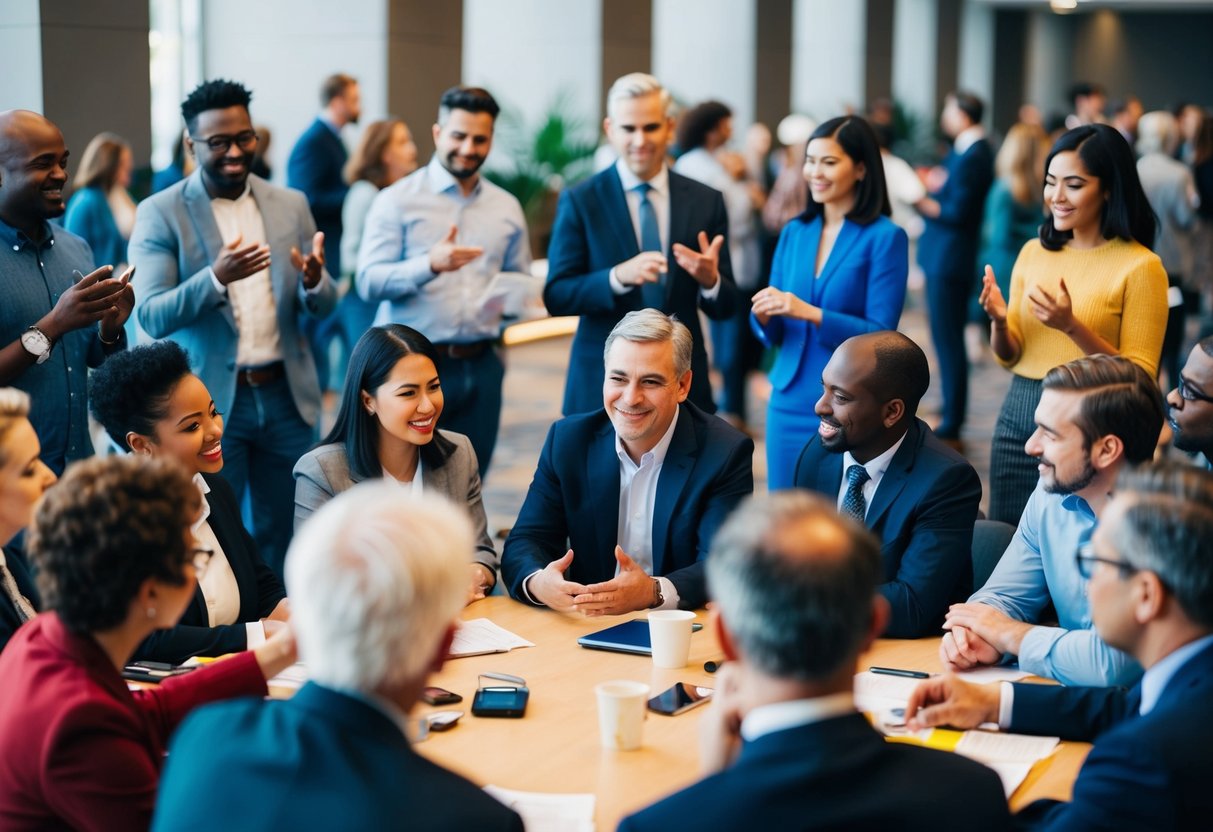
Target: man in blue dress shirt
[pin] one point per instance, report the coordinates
(54, 325)
(432, 245)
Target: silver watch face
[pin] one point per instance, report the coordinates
(35, 343)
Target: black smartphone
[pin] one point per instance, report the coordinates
(500, 701)
(681, 697)
(439, 696)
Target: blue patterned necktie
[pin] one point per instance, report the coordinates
(652, 294)
(853, 502)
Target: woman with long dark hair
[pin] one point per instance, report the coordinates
(1090, 284)
(387, 427)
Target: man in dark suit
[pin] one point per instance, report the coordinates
(947, 250)
(634, 492)
(377, 586)
(608, 257)
(795, 604)
(1150, 580)
(883, 466)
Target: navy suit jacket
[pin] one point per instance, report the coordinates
(593, 233)
(949, 242)
(19, 567)
(320, 760)
(316, 167)
(260, 590)
(923, 512)
(1144, 772)
(835, 774)
(573, 502)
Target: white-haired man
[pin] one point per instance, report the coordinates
(377, 583)
(637, 236)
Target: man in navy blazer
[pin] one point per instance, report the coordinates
(625, 501)
(377, 585)
(1150, 580)
(794, 588)
(608, 257)
(913, 492)
(222, 271)
(947, 250)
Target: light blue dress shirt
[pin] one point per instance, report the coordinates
(1038, 567)
(411, 216)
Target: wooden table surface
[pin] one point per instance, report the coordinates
(555, 747)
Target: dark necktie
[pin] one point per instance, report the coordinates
(652, 294)
(853, 502)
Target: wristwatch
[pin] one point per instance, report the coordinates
(36, 344)
(658, 597)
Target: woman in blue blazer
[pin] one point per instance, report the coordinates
(839, 270)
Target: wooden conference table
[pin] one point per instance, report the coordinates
(555, 747)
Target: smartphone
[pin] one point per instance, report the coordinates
(439, 696)
(500, 701)
(681, 697)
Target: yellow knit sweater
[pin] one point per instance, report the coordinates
(1118, 290)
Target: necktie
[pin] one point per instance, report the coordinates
(652, 294)
(853, 502)
(25, 610)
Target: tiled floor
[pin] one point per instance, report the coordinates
(534, 384)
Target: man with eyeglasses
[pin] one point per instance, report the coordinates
(1190, 404)
(227, 265)
(1150, 580)
(1096, 415)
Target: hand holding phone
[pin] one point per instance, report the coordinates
(679, 698)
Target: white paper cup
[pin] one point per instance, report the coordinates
(670, 635)
(621, 714)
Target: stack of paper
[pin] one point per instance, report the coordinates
(293, 677)
(480, 636)
(549, 812)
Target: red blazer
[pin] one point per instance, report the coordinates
(77, 748)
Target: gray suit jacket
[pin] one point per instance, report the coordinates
(324, 472)
(173, 245)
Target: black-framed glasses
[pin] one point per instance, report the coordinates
(221, 144)
(1085, 559)
(1188, 394)
(201, 558)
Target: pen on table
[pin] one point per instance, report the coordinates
(894, 671)
(714, 665)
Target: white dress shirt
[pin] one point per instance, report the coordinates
(414, 485)
(876, 466)
(637, 498)
(780, 716)
(218, 582)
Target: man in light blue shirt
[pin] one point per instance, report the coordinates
(1096, 415)
(432, 244)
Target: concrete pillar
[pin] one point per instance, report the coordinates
(915, 47)
(1047, 79)
(878, 54)
(627, 42)
(828, 47)
(773, 61)
(975, 71)
(424, 58)
(21, 48)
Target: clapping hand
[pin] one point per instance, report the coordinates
(312, 266)
(702, 265)
(1053, 310)
(991, 298)
(236, 262)
(86, 302)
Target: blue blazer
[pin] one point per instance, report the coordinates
(923, 512)
(18, 566)
(319, 760)
(260, 590)
(837, 774)
(573, 502)
(862, 288)
(949, 242)
(316, 167)
(1144, 772)
(174, 243)
(89, 216)
(592, 234)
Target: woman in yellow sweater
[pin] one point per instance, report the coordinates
(1089, 285)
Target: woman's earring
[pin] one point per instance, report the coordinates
(151, 612)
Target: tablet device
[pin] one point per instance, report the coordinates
(628, 637)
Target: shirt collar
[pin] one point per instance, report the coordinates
(659, 183)
(248, 190)
(442, 181)
(1154, 681)
(17, 240)
(204, 515)
(389, 709)
(324, 119)
(656, 456)
(877, 465)
(780, 716)
(968, 137)
(1077, 503)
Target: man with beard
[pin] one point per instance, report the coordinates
(1190, 404)
(228, 265)
(882, 466)
(54, 324)
(432, 244)
(1096, 415)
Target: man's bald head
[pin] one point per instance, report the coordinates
(898, 366)
(33, 170)
(17, 125)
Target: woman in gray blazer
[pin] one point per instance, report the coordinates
(388, 427)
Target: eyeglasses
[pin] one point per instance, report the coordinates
(201, 558)
(1188, 394)
(1085, 559)
(221, 144)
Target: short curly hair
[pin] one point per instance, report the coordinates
(217, 94)
(109, 525)
(129, 392)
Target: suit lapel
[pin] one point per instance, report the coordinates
(675, 472)
(680, 227)
(846, 238)
(602, 479)
(278, 235)
(829, 473)
(896, 476)
(232, 543)
(615, 204)
(198, 207)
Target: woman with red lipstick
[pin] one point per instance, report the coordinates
(150, 403)
(388, 427)
(839, 270)
(1089, 285)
